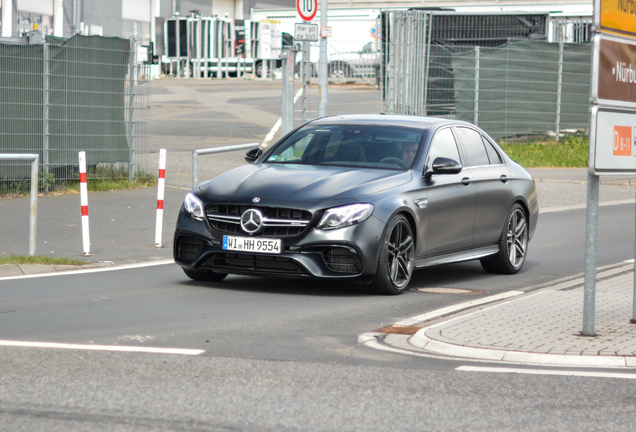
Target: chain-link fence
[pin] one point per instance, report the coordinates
(497, 71)
(62, 96)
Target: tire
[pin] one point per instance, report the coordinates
(395, 262)
(204, 275)
(513, 244)
(258, 69)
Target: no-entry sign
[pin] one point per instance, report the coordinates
(307, 9)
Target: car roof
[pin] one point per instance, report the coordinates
(416, 122)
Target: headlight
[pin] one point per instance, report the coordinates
(194, 207)
(345, 216)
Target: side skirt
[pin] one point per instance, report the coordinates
(467, 255)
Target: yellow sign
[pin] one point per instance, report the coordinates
(618, 17)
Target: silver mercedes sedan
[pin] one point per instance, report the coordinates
(361, 198)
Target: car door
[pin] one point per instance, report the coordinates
(493, 187)
(451, 200)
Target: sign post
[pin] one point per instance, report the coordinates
(612, 116)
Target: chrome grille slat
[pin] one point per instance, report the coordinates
(277, 221)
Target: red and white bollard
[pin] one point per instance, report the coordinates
(161, 184)
(84, 203)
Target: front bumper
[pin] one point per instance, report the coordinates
(345, 253)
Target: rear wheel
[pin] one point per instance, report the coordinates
(395, 263)
(513, 244)
(204, 275)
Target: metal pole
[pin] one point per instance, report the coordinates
(35, 164)
(476, 105)
(46, 90)
(133, 89)
(287, 115)
(633, 320)
(322, 62)
(33, 219)
(196, 153)
(305, 77)
(591, 229)
(557, 127)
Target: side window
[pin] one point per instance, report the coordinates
(443, 145)
(493, 154)
(475, 151)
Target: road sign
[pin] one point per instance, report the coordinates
(614, 77)
(306, 32)
(616, 16)
(613, 133)
(307, 9)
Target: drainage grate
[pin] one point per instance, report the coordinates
(444, 290)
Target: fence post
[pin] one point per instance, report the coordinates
(557, 126)
(46, 105)
(476, 105)
(131, 119)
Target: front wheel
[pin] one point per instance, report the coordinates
(513, 244)
(204, 275)
(395, 263)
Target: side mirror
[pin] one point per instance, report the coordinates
(253, 154)
(442, 165)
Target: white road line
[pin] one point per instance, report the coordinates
(111, 348)
(89, 270)
(546, 372)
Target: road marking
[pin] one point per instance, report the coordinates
(111, 348)
(89, 270)
(546, 372)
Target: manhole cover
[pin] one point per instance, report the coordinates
(443, 290)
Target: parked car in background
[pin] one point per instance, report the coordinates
(364, 198)
(362, 63)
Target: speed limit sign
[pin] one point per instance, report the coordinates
(307, 9)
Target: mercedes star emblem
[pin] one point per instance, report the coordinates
(251, 221)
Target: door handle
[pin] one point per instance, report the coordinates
(504, 178)
(466, 181)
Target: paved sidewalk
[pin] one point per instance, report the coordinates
(541, 327)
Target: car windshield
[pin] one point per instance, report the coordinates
(349, 145)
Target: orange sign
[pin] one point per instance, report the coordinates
(618, 17)
(622, 141)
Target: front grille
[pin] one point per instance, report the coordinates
(277, 221)
(342, 260)
(252, 263)
(188, 248)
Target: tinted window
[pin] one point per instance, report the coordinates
(443, 145)
(475, 151)
(493, 154)
(349, 145)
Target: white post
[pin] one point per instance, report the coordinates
(84, 203)
(161, 185)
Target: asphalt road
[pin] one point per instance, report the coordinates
(283, 355)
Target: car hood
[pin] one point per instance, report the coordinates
(301, 182)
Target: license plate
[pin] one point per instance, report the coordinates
(250, 244)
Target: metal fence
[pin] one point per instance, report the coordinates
(498, 71)
(62, 96)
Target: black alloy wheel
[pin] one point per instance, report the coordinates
(513, 244)
(395, 264)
